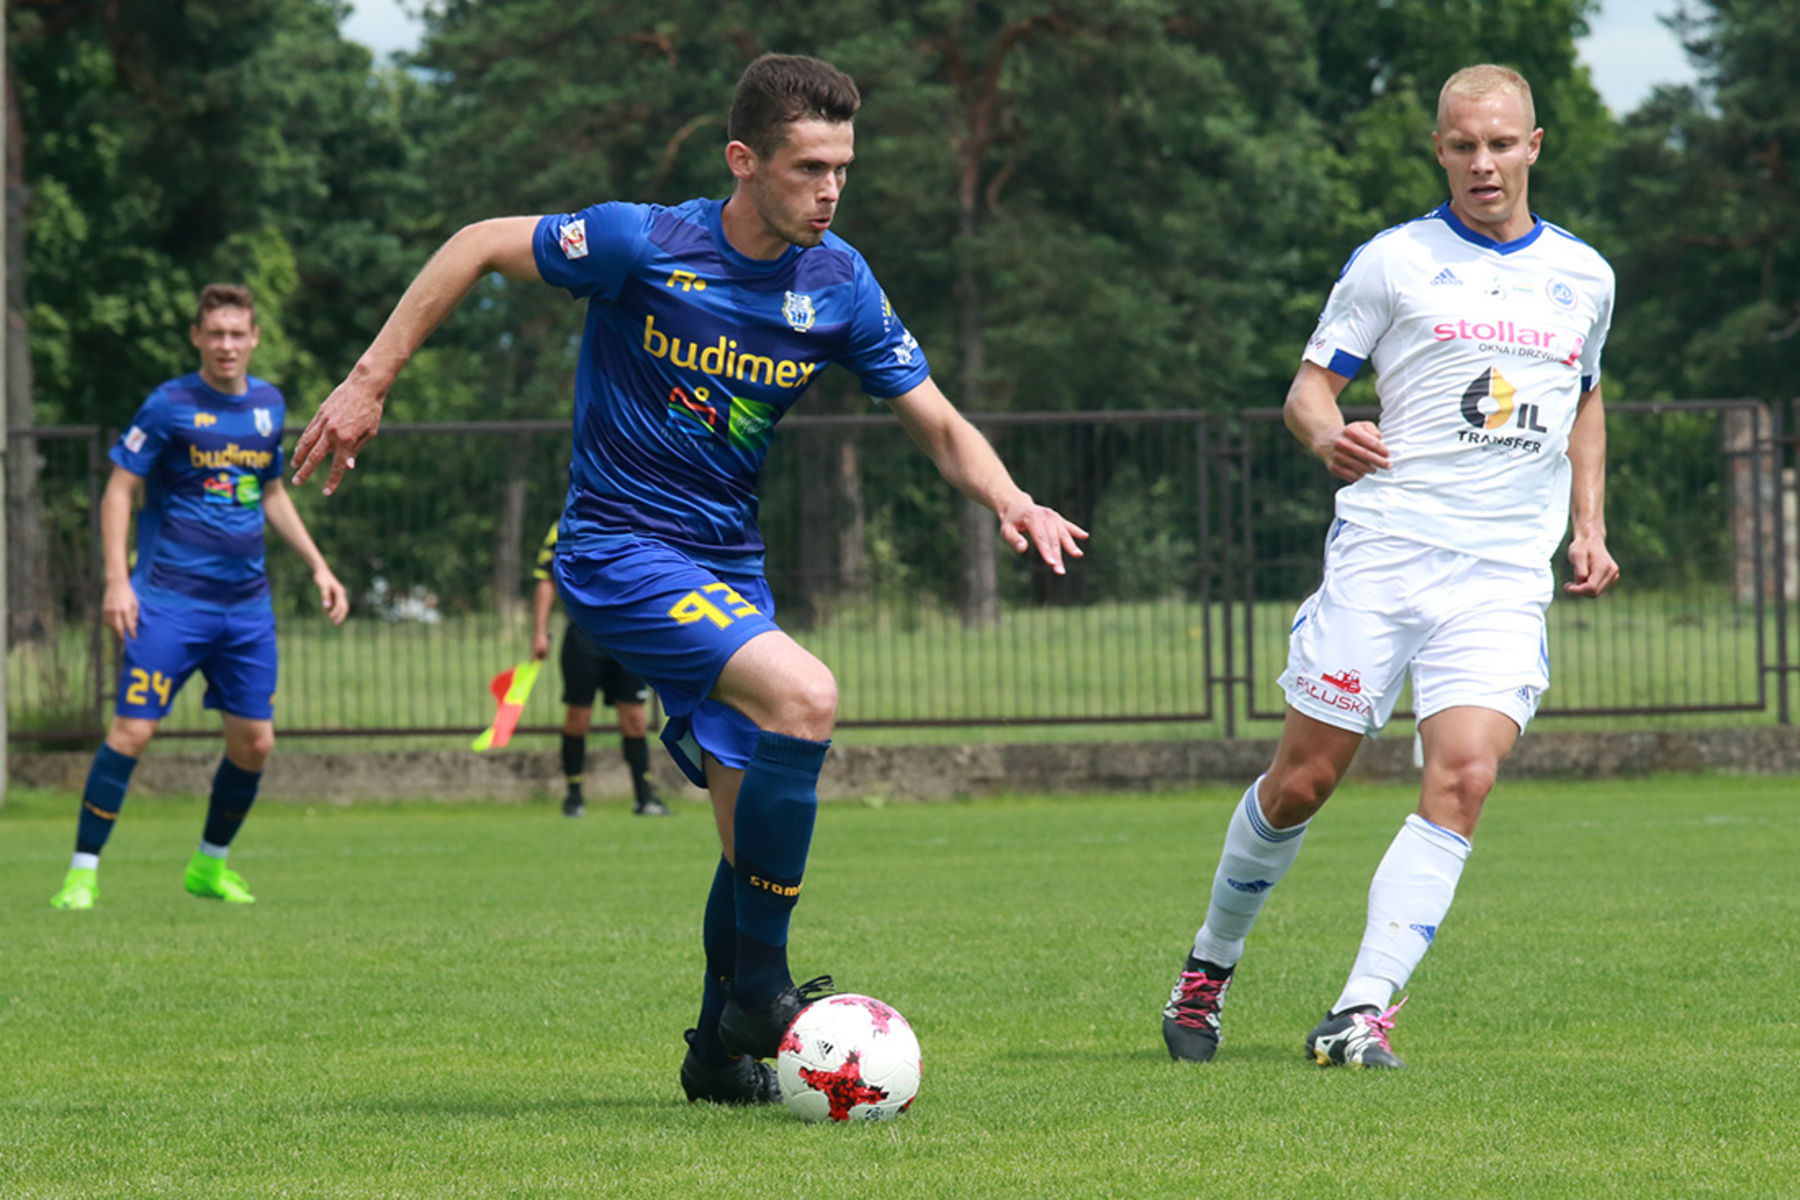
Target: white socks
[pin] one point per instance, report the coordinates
(89, 862)
(1255, 857)
(1408, 898)
(212, 851)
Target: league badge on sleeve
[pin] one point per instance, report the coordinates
(798, 309)
(573, 238)
(903, 353)
(134, 440)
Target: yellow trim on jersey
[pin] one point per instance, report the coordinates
(546, 552)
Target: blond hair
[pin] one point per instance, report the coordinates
(1481, 81)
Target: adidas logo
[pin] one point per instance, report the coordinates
(1446, 278)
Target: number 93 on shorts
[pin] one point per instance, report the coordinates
(670, 620)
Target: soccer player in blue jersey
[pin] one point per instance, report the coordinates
(206, 451)
(705, 323)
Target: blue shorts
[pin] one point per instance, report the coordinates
(674, 623)
(234, 651)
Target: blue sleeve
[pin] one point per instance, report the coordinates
(590, 253)
(142, 443)
(880, 351)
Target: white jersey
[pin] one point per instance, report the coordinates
(1481, 350)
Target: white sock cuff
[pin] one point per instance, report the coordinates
(212, 851)
(1259, 824)
(1445, 839)
(86, 862)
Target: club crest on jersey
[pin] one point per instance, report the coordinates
(1561, 294)
(573, 238)
(265, 422)
(798, 309)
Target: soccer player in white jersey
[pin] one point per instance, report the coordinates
(1484, 325)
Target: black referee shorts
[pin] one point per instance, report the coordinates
(588, 669)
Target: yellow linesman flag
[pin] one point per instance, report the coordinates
(511, 688)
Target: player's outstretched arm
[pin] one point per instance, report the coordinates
(279, 511)
(1312, 414)
(352, 413)
(969, 463)
(1590, 563)
(119, 604)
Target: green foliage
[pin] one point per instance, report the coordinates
(1134, 205)
(1704, 203)
(171, 145)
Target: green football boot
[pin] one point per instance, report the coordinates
(81, 887)
(210, 879)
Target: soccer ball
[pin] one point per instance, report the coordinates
(849, 1058)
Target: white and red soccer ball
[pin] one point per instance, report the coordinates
(849, 1058)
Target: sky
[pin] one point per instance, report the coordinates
(1628, 51)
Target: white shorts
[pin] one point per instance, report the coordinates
(1471, 629)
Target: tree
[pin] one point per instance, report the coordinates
(164, 146)
(1706, 200)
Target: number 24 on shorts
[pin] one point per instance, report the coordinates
(143, 681)
(694, 606)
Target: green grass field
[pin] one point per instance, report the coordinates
(487, 1001)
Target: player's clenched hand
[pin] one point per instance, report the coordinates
(332, 597)
(1592, 566)
(1352, 451)
(339, 430)
(1027, 524)
(119, 609)
(540, 647)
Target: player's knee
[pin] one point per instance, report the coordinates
(130, 736)
(634, 721)
(1293, 794)
(1468, 781)
(250, 748)
(809, 705)
(257, 749)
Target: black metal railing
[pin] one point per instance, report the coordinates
(1207, 531)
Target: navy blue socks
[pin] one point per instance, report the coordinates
(102, 798)
(719, 934)
(233, 792)
(776, 806)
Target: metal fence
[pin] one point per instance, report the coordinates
(1207, 531)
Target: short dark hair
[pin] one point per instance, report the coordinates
(224, 295)
(778, 89)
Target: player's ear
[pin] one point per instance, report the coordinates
(1534, 146)
(741, 159)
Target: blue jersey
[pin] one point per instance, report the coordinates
(691, 353)
(204, 456)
